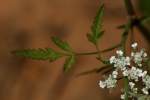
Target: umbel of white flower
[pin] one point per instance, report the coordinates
(130, 67)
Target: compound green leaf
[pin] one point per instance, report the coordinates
(38, 54)
(69, 62)
(61, 44)
(96, 29)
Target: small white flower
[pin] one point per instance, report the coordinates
(127, 60)
(139, 72)
(145, 54)
(125, 72)
(145, 91)
(144, 74)
(119, 52)
(146, 81)
(132, 54)
(134, 45)
(131, 84)
(102, 84)
(140, 65)
(122, 96)
(112, 59)
(135, 73)
(137, 58)
(114, 74)
(122, 62)
(110, 82)
(135, 90)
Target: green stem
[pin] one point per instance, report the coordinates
(129, 8)
(97, 48)
(132, 17)
(126, 88)
(97, 52)
(123, 46)
(111, 48)
(145, 32)
(87, 53)
(125, 36)
(99, 55)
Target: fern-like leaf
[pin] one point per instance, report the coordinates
(69, 62)
(38, 54)
(96, 29)
(61, 44)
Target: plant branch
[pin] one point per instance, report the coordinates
(123, 46)
(124, 39)
(129, 8)
(136, 21)
(95, 70)
(146, 33)
(99, 55)
(111, 48)
(97, 52)
(126, 89)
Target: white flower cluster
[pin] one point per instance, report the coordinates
(146, 81)
(138, 57)
(109, 83)
(131, 68)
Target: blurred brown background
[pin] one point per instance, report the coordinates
(30, 24)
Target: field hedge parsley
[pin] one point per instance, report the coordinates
(131, 67)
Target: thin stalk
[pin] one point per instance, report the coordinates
(87, 53)
(129, 8)
(132, 35)
(145, 32)
(123, 47)
(125, 36)
(126, 85)
(97, 52)
(111, 48)
(132, 16)
(99, 55)
(97, 47)
(126, 88)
